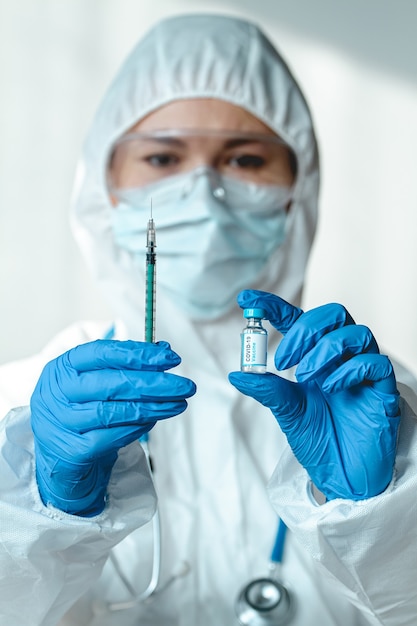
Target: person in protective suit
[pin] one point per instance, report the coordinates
(205, 121)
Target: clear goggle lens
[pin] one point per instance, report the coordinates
(143, 158)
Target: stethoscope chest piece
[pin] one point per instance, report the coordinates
(264, 602)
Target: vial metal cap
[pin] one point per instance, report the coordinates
(259, 313)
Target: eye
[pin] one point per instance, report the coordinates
(252, 161)
(161, 159)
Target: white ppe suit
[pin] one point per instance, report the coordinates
(223, 469)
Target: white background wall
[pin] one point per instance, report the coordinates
(357, 62)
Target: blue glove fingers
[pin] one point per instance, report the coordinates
(281, 314)
(334, 349)
(112, 414)
(136, 355)
(281, 396)
(307, 331)
(375, 368)
(114, 384)
(307, 431)
(92, 447)
(101, 415)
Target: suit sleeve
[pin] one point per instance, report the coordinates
(50, 557)
(368, 549)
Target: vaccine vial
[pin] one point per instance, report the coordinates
(254, 339)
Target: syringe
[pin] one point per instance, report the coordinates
(150, 281)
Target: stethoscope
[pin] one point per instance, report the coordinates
(266, 601)
(153, 588)
(261, 602)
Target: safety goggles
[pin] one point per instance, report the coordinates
(138, 159)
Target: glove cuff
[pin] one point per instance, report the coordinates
(77, 489)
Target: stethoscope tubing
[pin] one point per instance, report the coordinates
(275, 559)
(278, 549)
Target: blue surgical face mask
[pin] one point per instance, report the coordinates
(214, 235)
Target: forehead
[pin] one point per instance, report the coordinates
(207, 113)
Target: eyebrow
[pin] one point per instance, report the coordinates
(230, 143)
(169, 140)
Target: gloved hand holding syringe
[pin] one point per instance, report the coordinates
(97, 398)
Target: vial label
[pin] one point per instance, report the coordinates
(254, 349)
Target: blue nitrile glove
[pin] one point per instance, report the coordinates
(91, 401)
(341, 417)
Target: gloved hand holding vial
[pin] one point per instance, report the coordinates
(344, 386)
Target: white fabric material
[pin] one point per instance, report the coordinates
(351, 564)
